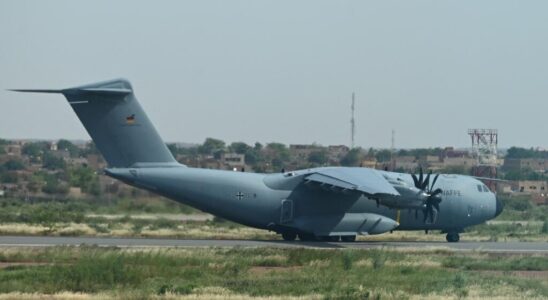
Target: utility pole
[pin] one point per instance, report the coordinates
(352, 123)
(393, 151)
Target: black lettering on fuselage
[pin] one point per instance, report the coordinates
(452, 193)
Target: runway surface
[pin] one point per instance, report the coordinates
(41, 241)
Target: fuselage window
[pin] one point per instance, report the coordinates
(479, 188)
(486, 189)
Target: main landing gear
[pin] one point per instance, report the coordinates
(452, 237)
(289, 236)
(307, 237)
(348, 238)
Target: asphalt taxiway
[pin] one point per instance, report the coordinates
(42, 241)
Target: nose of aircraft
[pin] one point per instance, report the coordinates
(499, 206)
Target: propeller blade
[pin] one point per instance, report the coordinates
(415, 180)
(436, 205)
(426, 182)
(434, 181)
(420, 178)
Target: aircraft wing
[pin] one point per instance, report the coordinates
(367, 181)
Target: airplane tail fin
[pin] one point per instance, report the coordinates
(117, 124)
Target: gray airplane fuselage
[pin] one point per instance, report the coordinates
(256, 199)
(323, 202)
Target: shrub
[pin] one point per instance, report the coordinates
(544, 228)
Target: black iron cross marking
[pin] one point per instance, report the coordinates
(240, 195)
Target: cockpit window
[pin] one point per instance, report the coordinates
(485, 189)
(479, 188)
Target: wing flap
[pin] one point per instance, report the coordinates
(367, 181)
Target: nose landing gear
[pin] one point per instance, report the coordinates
(452, 237)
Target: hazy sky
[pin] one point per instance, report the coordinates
(285, 70)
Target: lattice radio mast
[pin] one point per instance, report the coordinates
(484, 145)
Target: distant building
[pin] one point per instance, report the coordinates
(407, 163)
(433, 162)
(540, 199)
(466, 162)
(533, 187)
(369, 163)
(301, 152)
(516, 164)
(337, 152)
(13, 150)
(233, 160)
(95, 161)
(452, 152)
(64, 154)
(77, 161)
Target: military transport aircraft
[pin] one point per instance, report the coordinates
(329, 203)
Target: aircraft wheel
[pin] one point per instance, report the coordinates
(452, 237)
(348, 238)
(289, 236)
(306, 237)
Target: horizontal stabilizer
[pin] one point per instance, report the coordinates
(75, 91)
(37, 91)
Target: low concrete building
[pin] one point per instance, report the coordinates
(233, 160)
(337, 152)
(13, 150)
(466, 162)
(533, 187)
(96, 161)
(408, 163)
(301, 152)
(535, 164)
(369, 163)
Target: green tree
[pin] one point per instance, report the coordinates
(51, 162)
(352, 158)
(84, 178)
(383, 155)
(14, 165)
(211, 146)
(278, 154)
(9, 177)
(35, 149)
(35, 183)
(54, 186)
(517, 152)
(90, 149)
(240, 147)
(318, 157)
(68, 146)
